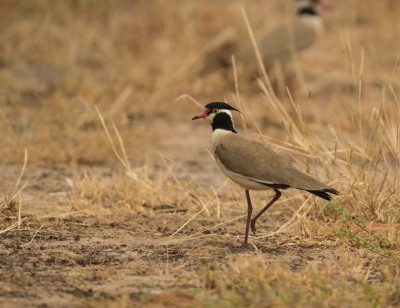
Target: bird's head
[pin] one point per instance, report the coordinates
(211, 110)
(311, 5)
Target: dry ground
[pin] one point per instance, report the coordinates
(142, 217)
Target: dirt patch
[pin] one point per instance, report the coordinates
(111, 257)
(76, 260)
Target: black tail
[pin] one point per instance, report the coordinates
(323, 193)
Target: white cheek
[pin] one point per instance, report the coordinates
(210, 117)
(228, 112)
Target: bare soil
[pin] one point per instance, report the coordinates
(64, 261)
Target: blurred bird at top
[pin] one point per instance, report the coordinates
(279, 45)
(287, 38)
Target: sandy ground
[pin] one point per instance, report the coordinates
(83, 258)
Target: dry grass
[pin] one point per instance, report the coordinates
(58, 59)
(11, 214)
(254, 283)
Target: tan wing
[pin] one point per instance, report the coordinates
(281, 42)
(257, 162)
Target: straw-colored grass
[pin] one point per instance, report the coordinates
(11, 204)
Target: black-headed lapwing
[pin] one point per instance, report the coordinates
(253, 165)
(279, 43)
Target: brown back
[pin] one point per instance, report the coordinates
(255, 161)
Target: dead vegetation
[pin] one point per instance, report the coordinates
(88, 85)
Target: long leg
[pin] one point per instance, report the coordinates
(278, 194)
(249, 211)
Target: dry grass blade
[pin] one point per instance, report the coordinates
(17, 189)
(122, 160)
(281, 113)
(33, 237)
(204, 208)
(121, 143)
(192, 178)
(179, 185)
(217, 225)
(19, 210)
(187, 96)
(291, 222)
(257, 52)
(8, 202)
(13, 226)
(22, 170)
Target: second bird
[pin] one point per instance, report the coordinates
(285, 38)
(253, 165)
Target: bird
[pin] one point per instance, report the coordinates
(253, 165)
(279, 43)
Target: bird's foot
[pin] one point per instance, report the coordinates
(241, 248)
(253, 227)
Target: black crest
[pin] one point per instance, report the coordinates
(220, 105)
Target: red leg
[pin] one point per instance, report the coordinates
(278, 194)
(249, 211)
